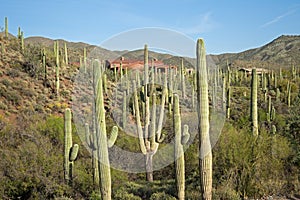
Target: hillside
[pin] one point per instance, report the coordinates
(32, 128)
(281, 52)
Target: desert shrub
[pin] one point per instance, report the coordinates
(122, 194)
(53, 128)
(95, 196)
(250, 165)
(161, 196)
(13, 73)
(225, 192)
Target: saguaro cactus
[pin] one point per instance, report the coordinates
(149, 142)
(228, 102)
(253, 106)
(205, 161)
(102, 142)
(70, 150)
(181, 139)
(6, 28)
(66, 55)
(57, 68)
(91, 142)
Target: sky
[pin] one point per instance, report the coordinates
(225, 25)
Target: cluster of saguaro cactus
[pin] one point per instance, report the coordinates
(181, 138)
(253, 106)
(70, 150)
(205, 161)
(150, 136)
(101, 137)
(149, 142)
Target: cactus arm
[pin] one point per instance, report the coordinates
(88, 138)
(153, 123)
(113, 137)
(147, 119)
(185, 135)
(74, 152)
(138, 121)
(161, 137)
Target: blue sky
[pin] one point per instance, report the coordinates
(226, 26)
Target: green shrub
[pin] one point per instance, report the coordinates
(161, 196)
(225, 192)
(122, 194)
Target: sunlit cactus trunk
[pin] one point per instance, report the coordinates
(66, 55)
(101, 136)
(253, 106)
(91, 142)
(70, 151)
(6, 28)
(181, 138)
(57, 68)
(205, 162)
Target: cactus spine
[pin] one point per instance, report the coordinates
(181, 139)
(205, 161)
(70, 150)
(102, 142)
(253, 108)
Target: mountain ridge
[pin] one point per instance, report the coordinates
(282, 51)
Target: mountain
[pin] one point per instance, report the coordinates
(281, 52)
(76, 47)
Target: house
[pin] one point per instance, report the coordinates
(137, 65)
(259, 71)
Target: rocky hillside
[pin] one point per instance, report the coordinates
(281, 52)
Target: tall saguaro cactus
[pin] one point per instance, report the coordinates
(205, 162)
(149, 140)
(102, 142)
(6, 28)
(253, 106)
(66, 55)
(57, 68)
(70, 150)
(181, 138)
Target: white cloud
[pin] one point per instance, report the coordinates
(278, 18)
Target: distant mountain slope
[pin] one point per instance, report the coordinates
(283, 51)
(77, 47)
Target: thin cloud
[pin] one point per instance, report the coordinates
(278, 18)
(205, 24)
